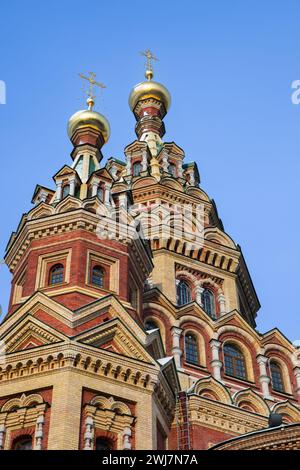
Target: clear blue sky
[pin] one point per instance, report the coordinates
(229, 67)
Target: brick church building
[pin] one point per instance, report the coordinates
(131, 321)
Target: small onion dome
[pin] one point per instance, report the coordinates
(149, 89)
(89, 118)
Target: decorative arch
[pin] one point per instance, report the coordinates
(210, 282)
(96, 206)
(186, 275)
(287, 408)
(101, 402)
(143, 182)
(121, 407)
(171, 183)
(214, 234)
(42, 210)
(197, 192)
(251, 338)
(67, 204)
(210, 384)
(22, 402)
(254, 400)
(119, 187)
(202, 322)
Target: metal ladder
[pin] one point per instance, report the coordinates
(182, 422)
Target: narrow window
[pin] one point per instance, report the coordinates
(100, 193)
(276, 375)
(66, 190)
(183, 293)
(191, 349)
(97, 277)
(56, 275)
(172, 169)
(208, 302)
(234, 362)
(137, 168)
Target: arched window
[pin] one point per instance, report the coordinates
(276, 375)
(56, 274)
(208, 302)
(100, 193)
(66, 190)
(23, 443)
(150, 325)
(97, 276)
(102, 444)
(183, 293)
(172, 169)
(137, 168)
(234, 362)
(191, 349)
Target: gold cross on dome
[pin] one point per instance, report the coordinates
(149, 66)
(92, 83)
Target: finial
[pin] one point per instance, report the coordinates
(149, 68)
(92, 82)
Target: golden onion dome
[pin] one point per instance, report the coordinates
(149, 89)
(89, 118)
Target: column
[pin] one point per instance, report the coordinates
(176, 349)
(165, 163)
(198, 291)
(43, 196)
(179, 169)
(222, 304)
(113, 171)
(58, 190)
(192, 178)
(88, 435)
(128, 165)
(126, 439)
(264, 379)
(216, 364)
(144, 161)
(95, 184)
(2, 432)
(107, 193)
(297, 375)
(38, 437)
(72, 187)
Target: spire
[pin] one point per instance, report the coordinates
(150, 101)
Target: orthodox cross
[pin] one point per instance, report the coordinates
(92, 83)
(149, 67)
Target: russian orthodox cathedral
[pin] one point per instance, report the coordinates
(131, 321)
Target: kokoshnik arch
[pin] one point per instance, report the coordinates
(119, 337)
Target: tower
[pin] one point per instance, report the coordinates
(131, 322)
